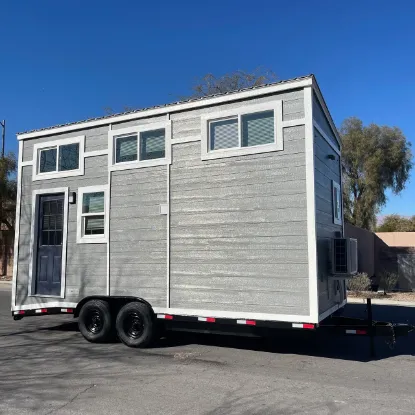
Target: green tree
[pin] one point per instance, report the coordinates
(397, 223)
(210, 84)
(8, 189)
(375, 158)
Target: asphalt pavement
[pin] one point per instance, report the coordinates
(46, 367)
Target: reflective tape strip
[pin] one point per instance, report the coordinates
(207, 319)
(66, 310)
(356, 332)
(41, 310)
(247, 322)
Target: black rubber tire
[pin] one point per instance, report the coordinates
(95, 321)
(135, 325)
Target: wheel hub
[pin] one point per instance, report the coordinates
(94, 323)
(133, 325)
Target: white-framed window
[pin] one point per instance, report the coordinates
(140, 146)
(337, 204)
(92, 217)
(61, 158)
(246, 130)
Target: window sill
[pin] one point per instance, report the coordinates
(98, 240)
(45, 296)
(57, 174)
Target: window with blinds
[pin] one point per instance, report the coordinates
(126, 149)
(248, 130)
(152, 144)
(59, 158)
(257, 128)
(93, 213)
(146, 145)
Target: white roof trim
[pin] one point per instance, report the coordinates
(172, 108)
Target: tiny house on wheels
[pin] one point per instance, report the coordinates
(221, 210)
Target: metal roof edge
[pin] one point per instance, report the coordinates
(216, 99)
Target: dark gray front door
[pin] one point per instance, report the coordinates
(49, 245)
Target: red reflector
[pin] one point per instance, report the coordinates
(308, 326)
(361, 332)
(210, 319)
(168, 317)
(69, 310)
(43, 310)
(251, 322)
(21, 312)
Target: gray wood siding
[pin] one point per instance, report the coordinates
(138, 234)
(238, 226)
(325, 172)
(239, 231)
(86, 264)
(320, 117)
(95, 139)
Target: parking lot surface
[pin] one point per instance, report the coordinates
(46, 367)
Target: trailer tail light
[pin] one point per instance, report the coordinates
(247, 322)
(356, 331)
(207, 319)
(303, 326)
(165, 316)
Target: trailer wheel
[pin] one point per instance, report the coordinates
(135, 325)
(95, 321)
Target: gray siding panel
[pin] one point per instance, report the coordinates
(138, 234)
(239, 231)
(95, 139)
(320, 117)
(325, 172)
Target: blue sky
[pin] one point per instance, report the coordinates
(66, 61)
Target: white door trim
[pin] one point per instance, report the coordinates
(34, 237)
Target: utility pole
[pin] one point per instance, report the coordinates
(3, 137)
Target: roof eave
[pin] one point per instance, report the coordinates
(185, 106)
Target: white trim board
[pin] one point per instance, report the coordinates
(33, 237)
(234, 315)
(96, 153)
(17, 223)
(311, 205)
(92, 239)
(295, 84)
(326, 137)
(62, 304)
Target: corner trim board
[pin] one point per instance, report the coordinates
(311, 204)
(17, 223)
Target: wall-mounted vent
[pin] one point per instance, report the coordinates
(344, 260)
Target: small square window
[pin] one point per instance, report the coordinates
(48, 160)
(224, 134)
(152, 144)
(258, 128)
(68, 157)
(126, 149)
